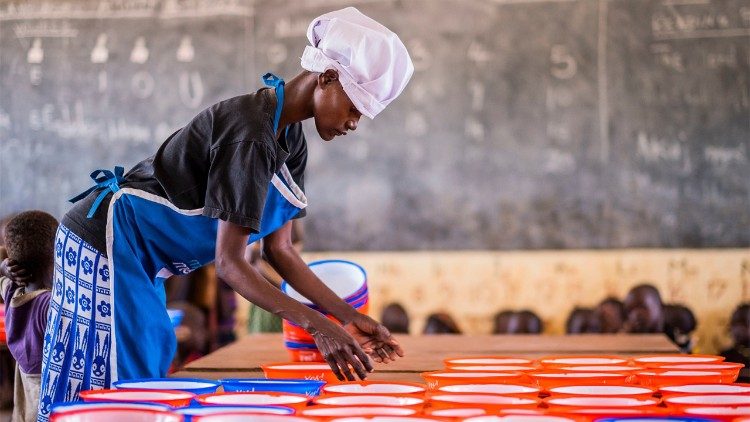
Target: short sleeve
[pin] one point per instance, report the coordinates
(5, 289)
(238, 180)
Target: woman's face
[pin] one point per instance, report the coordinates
(334, 112)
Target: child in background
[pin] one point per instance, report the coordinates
(502, 322)
(582, 321)
(679, 322)
(611, 315)
(740, 330)
(643, 307)
(395, 319)
(441, 323)
(25, 286)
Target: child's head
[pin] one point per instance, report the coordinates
(30, 241)
(529, 323)
(679, 322)
(502, 322)
(643, 307)
(395, 319)
(611, 315)
(441, 323)
(740, 325)
(582, 320)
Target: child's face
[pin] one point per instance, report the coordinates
(334, 112)
(644, 313)
(740, 328)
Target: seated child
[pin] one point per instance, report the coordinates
(25, 286)
(643, 307)
(740, 330)
(441, 323)
(679, 322)
(395, 319)
(582, 321)
(611, 315)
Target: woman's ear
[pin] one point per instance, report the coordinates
(328, 77)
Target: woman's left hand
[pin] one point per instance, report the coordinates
(374, 338)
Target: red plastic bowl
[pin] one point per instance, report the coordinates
(510, 390)
(658, 378)
(703, 389)
(371, 400)
(486, 360)
(383, 388)
(599, 402)
(718, 412)
(655, 361)
(437, 379)
(633, 391)
(550, 379)
(581, 360)
(244, 417)
(730, 371)
(709, 400)
(345, 411)
(172, 398)
(300, 370)
(491, 402)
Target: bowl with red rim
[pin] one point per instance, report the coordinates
(370, 400)
(521, 418)
(617, 369)
(583, 402)
(491, 402)
(581, 360)
(244, 417)
(708, 400)
(655, 361)
(437, 379)
(663, 377)
(633, 391)
(321, 411)
(495, 368)
(375, 387)
(459, 413)
(486, 360)
(172, 398)
(730, 371)
(300, 370)
(511, 390)
(703, 389)
(78, 405)
(295, 401)
(722, 413)
(550, 379)
(195, 410)
(116, 414)
(386, 419)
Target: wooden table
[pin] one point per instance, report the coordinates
(426, 353)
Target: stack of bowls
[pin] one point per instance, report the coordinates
(348, 280)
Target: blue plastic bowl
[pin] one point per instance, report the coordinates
(79, 405)
(311, 388)
(197, 410)
(175, 315)
(190, 385)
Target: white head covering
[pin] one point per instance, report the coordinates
(372, 62)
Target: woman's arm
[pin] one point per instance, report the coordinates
(337, 346)
(285, 259)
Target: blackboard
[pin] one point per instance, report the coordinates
(528, 124)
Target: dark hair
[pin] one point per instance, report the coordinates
(581, 320)
(530, 322)
(395, 319)
(679, 317)
(30, 240)
(646, 289)
(501, 323)
(441, 323)
(740, 314)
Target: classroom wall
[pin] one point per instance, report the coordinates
(472, 286)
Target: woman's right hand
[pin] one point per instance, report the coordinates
(339, 349)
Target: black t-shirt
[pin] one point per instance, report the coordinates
(222, 162)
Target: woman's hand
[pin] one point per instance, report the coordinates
(339, 349)
(374, 338)
(15, 272)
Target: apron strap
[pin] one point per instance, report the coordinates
(278, 84)
(107, 181)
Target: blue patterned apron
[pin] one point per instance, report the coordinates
(108, 320)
